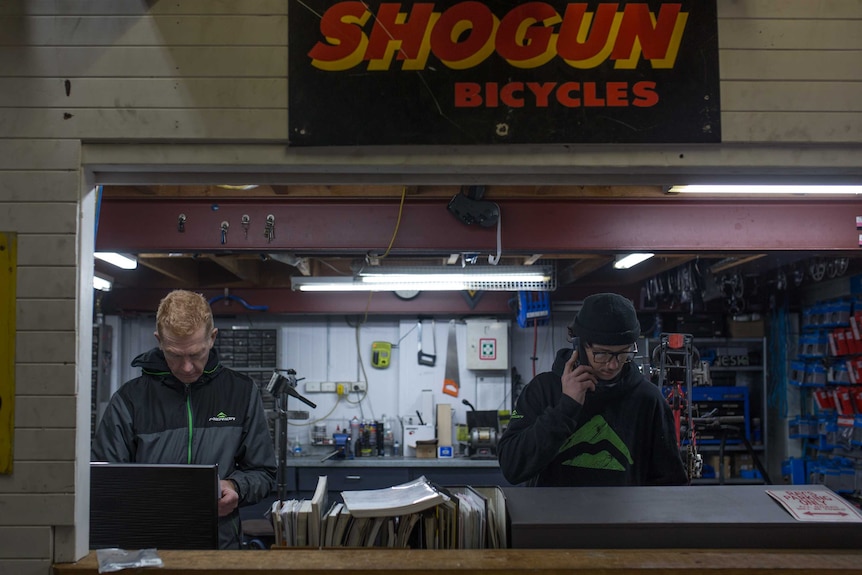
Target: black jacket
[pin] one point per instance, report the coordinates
(155, 418)
(623, 435)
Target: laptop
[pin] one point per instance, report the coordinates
(146, 505)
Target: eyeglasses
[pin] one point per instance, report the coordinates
(620, 356)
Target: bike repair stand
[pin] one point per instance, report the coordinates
(676, 358)
(281, 387)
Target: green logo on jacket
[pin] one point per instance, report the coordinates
(595, 433)
(222, 416)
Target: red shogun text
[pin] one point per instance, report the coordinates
(468, 33)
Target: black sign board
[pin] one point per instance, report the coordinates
(448, 72)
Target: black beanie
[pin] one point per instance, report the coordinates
(607, 319)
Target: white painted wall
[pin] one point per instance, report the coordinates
(325, 349)
(199, 85)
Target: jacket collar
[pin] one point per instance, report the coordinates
(153, 363)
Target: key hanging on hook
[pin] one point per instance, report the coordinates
(245, 221)
(269, 229)
(181, 223)
(224, 228)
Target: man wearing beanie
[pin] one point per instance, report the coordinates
(598, 420)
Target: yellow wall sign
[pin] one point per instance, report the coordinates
(8, 266)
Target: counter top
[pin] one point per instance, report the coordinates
(388, 461)
(496, 562)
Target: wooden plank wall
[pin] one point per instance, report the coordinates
(39, 201)
(791, 71)
(207, 71)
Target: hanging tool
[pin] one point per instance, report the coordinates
(381, 354)
(450, 378)
(428, 358)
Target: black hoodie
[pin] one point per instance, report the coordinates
(623, 434)
(155, 418)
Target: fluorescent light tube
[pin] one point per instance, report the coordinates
(631, 260)
(452, 278)
(119, 260)
(102, 284)
(771, 189)
(488, 278)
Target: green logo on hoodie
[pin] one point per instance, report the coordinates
(595, 433)
(222, 416)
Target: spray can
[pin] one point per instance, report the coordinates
(354, 432)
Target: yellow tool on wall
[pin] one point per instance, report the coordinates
(450, 377)
(381, 353)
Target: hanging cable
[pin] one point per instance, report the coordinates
(319, 419)
(397, 223)
(229, 298)
(777, 359)
(391, 243)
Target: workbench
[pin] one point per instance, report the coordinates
(498, 562)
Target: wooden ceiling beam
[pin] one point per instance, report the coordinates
(175, 269)
(243, 268)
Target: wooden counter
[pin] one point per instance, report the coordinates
(499, 562)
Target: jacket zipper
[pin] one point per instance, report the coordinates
(191, 430)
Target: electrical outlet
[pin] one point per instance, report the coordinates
(356, 386)
(312, 387)
(327, 387)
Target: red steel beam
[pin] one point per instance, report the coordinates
(285, 301)
(556, 226)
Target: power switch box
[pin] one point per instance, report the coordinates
(487, 345)
(312, 387)
(327, 387)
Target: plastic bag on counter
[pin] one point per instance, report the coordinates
(115, 559)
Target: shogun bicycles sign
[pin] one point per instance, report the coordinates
(366, 72)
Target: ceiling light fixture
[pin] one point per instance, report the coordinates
(473, 278)
(631, 260)
(119, 260)
(771, 189)
(102, 282)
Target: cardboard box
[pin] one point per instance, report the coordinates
(426, 449)
(753, 328)
(412, 434)
(444, 424)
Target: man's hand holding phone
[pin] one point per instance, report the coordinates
(578, 378)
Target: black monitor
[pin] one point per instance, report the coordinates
(142, 506)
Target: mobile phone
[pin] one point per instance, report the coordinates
(580, 348)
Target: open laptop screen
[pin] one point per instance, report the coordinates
(142, 506)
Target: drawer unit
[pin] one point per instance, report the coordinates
(721, 412)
